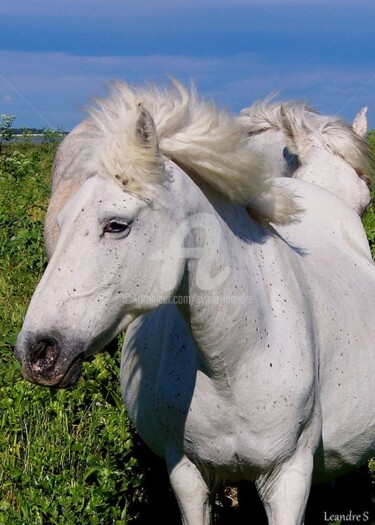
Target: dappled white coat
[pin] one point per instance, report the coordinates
(249, 351)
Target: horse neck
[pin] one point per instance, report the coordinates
(238, 302)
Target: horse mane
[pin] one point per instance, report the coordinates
(303, 124)
(264, 115)
(191, 131)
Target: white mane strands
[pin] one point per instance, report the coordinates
(190, 131)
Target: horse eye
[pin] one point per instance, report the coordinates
(115, 227)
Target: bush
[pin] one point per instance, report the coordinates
(6, 122)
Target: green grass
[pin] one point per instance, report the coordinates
(66, 456)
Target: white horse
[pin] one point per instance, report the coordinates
(249, 349)
(297, 141)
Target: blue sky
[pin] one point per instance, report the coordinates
(57, 55)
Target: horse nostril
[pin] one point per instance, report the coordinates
(43, 354)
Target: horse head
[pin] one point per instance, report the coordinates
(104, 239)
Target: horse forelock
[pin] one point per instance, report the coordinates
(339, 137)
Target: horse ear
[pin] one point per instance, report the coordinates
(360, 122)
(146, 130)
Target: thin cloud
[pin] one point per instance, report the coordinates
(59, 85)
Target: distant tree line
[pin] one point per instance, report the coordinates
(29, 131)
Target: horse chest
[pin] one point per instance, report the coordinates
(233, 439)
(235, 429)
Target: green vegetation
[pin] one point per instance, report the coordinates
(369, 218)
(6, 131)
(67, 457)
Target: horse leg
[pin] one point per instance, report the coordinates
(191, 491)
(285, 491)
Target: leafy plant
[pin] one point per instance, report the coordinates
(6, 122)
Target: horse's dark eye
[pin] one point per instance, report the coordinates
(115, 227)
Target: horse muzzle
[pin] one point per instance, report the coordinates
(47, 360)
